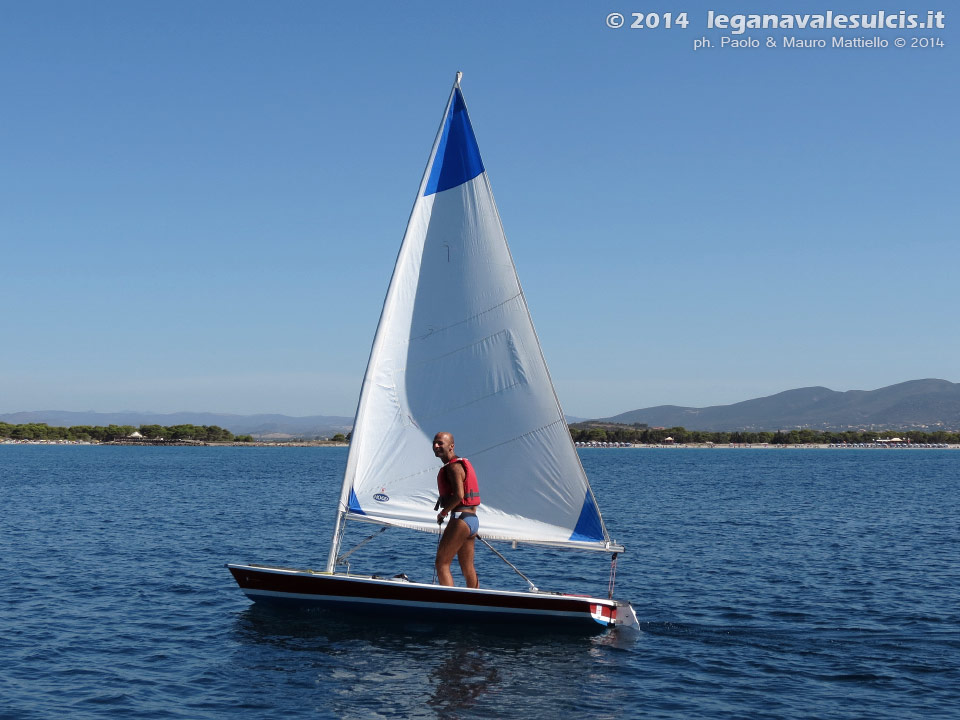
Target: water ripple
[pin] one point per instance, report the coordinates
(769, 585)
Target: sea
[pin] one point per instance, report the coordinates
(769, 583)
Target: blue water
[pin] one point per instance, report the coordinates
(768, 584)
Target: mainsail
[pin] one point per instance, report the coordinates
(456, 351)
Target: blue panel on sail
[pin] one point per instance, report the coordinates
(458, 157)
(355, 504)
(589, 528)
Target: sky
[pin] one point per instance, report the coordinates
(201, 203)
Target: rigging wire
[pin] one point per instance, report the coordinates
(533, 588)
(342, 559)
(613, 576)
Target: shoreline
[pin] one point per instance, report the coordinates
(769, 446)
(686, 446)
(175, 443)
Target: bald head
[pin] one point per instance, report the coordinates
(443, 446)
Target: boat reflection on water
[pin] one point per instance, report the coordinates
(389, 667)
(463, 677)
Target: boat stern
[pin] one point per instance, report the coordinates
(626, 617)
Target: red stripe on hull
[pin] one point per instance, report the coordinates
(301, 586)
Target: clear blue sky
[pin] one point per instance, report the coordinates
(201, 203)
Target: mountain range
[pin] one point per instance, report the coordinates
(917, 404)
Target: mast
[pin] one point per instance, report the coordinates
(356, 439)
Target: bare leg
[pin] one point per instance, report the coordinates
(453, 538)
(465, 558)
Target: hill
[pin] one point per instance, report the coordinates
(916, 404)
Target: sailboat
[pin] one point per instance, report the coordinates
(456, 351)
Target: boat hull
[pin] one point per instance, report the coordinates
(363, 595)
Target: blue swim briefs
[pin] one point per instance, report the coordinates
(472, 522)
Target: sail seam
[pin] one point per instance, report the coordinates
(413, 475)
(481, 341)
(465, 320)
(520, 437)
(473, 402)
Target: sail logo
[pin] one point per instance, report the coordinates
(381, 497)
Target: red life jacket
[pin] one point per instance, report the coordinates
(471, 490)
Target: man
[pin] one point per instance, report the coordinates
(459, 493)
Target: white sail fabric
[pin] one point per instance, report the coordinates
(456, 351)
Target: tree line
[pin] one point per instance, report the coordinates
(100, 433)
(656, 436)
(636, 434)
